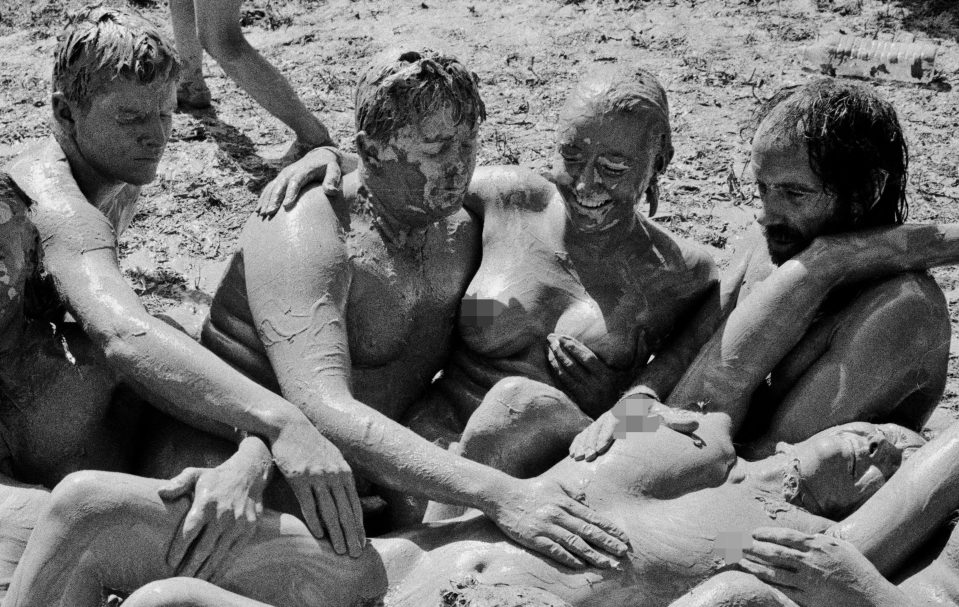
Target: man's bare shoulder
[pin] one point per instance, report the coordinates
(915, 294)
(511, 187)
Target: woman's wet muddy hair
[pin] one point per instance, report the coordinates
(855, 146)
(633, 90)
(100, 44)
(400, 87)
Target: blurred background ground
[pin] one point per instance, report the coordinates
(717, 58)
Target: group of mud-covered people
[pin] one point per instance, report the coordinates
(568, 396)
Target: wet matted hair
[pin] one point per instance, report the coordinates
(100, 44)
(401, 86)
(855, 142)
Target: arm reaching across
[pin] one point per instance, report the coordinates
(300, 310)
(171, 370)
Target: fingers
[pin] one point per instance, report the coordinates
(684, 422)
(304, 495)
(599, 531)
(580, 353)
(349, 520)
(357, 507)
(203, 550)
(293, 188)
(595, 440)
(783, 579)
(180, 485)
(765, 553)
(330, 518)
(270, 197)
(564, 367)
(190, 527)
(790, 538)
(556, 552)
(333, 180)
(575, 545)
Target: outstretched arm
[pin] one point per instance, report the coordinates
(174, 372)
(766, 325)
(298, 277)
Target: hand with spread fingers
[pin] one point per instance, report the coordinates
(320, 163)
(817, 570)
(324, 486)
(227, 502)
(549, 518)
(599, 436)
(586, 378)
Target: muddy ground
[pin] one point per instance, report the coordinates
(717, 58)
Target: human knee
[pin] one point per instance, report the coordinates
(519, 397)
(224, 44)
(173, 592)
(81, 494)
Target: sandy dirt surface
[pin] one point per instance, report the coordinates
(717, 58)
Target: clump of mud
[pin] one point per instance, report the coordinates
(470, 593)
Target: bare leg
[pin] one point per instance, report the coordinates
(522, 427)
(734, 589)
(187, 592)
(112, 530)
(192, 92)
(20, 507)
(218, 28)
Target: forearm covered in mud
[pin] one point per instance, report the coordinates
(394, 456)
(758, 333)
(855, 256)
(176, 373)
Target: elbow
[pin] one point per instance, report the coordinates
(120, 343)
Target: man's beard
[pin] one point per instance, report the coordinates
(783, 242)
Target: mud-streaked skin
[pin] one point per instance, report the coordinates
(656, 484)
(675, 532)
(348, 307)
(75, 330)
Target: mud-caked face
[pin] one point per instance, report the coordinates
(124, 127)
(604, 163)
(427, 166)
(796, 206)
(841, 467)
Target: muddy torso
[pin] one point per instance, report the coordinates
(622, 306)
(680, 534)
(55, 389)
(400, 314)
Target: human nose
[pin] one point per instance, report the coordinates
(154, 134)
(587, 180)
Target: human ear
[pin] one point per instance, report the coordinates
(879, 179)
(652, 195)
(367, 151)
(63, 112)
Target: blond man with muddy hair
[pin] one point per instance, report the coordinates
(73, 331)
